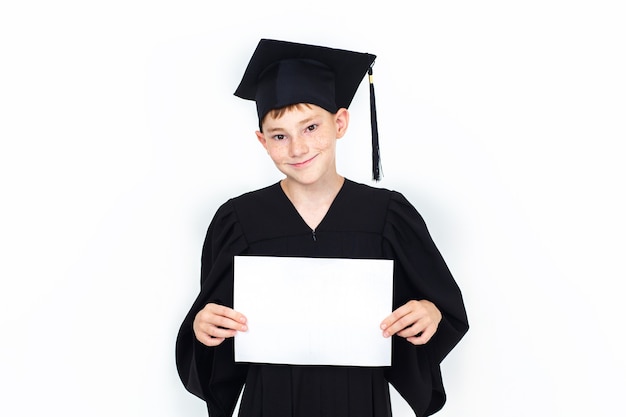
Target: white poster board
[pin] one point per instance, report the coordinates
(313, 311)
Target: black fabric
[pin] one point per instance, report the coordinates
(281, 73)
(294, 81)
(363, 222)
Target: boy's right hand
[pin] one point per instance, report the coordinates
(214, 323)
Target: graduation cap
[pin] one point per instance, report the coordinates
(282, 73)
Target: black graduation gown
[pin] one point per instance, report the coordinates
(363, 222)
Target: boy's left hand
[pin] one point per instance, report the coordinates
(416, 321)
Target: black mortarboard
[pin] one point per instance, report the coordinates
(283, 73)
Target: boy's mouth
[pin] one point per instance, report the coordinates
(303, 163)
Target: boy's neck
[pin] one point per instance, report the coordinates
(312, 193)
(312, 201)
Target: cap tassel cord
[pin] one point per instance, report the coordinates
(376, 165)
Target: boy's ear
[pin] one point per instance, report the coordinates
(261, 138)
(342, 119)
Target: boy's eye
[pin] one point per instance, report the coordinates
(311, 128)
(279, 137)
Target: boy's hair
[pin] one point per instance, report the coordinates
(276, 113)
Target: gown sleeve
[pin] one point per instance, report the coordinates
(210, 372)
(421, 273)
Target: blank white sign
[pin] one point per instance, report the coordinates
(313, 311)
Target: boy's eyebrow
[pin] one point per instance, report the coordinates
(307, 120)
(301, 122)
(275, 129)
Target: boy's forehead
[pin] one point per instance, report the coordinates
(296, 114)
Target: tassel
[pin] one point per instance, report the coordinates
(376, 165)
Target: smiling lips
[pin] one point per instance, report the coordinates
(303, 163)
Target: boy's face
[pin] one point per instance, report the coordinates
(302, 142)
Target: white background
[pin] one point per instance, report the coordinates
(503, 123)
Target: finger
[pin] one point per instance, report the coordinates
(412, 331)
(220, 333)
(420, 338)
(412, 307)
(403, 323)
(224, 311)
(424, 336)
(227, 323)
(396, 315)
(212, 330)
(421, 324)
(221, 316)
(211, 335)
(400, 326)
(203, 334)
(208, 340)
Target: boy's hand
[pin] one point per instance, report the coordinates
(416, 321)
(214, 323)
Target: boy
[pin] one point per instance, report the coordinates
(302, 93)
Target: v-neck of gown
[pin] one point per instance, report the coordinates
(326, 215)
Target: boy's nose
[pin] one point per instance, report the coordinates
(298, 146)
